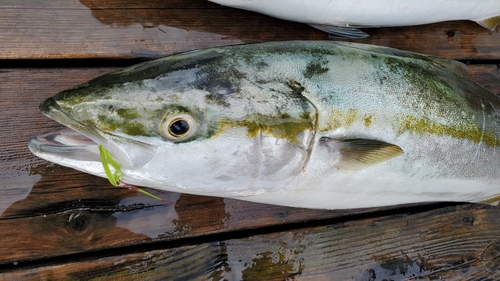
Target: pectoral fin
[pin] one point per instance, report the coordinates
(348, 32)
(358, 154)
(490, 23)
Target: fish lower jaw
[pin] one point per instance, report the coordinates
(67, 147)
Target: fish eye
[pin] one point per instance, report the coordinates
(179, 127)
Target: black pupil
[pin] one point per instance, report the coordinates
(179, 127)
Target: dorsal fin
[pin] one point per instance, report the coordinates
(358, 154)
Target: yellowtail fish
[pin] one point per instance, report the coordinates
(344, 17)
(306, 124)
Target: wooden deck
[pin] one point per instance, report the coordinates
(60, 224)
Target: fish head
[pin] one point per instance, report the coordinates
(168, 130)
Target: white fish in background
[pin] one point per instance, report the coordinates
(305, 124)
(344, 17)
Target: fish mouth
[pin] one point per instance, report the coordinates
(76, 145)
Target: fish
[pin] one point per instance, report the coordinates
(345, 17)
(310, 124)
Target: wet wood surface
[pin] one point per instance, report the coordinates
(452, 243)
(60, 224)
(130, 28)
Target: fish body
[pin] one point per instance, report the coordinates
(306, 124)
(343, 17)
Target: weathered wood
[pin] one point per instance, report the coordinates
(487, 75)
(108, 4)
(146, 29)
(123, 32)
(86, 214)
(449, 243)
(454, 40)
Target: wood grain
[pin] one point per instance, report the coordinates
(449, 243)
(131, 29)
(487, 75)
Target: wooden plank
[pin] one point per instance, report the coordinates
(449, 243)
(147, 29)
(108, 4)
(71, 212)
(129, 33)
(455, 40)
(487, 75)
